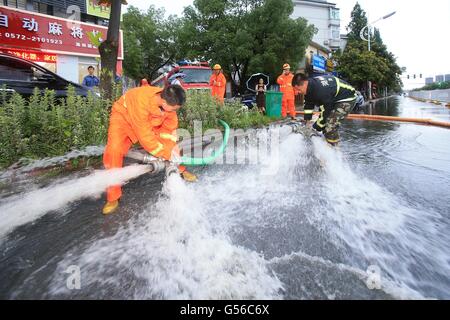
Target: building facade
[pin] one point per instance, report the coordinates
(429, 80)
(61, 35)
(325, 17)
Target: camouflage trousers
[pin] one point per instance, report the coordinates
(330, 120)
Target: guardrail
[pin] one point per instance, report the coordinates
(433, 96)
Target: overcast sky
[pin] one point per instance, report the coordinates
(417, 34)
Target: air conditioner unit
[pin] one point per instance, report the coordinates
(326, 42)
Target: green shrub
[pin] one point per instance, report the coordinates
(201, 106)
(43, 126)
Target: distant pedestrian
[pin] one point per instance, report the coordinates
(261, 89)
(91, 80)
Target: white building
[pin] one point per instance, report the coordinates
(325, 17)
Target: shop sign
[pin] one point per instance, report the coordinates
(32, 55)
(26, 30)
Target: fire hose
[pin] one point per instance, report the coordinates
(389, 118)
(158, 164)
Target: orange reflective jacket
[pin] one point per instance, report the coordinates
(285, 82)
(139, 114)
(218, 83)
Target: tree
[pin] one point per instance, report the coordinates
(358, 65)
(110, 47)
(358, 22)
(244, 36)
(149, 41)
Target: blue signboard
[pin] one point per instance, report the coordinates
(319, 63)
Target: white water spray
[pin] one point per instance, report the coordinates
(26, 208)
(172, 251)
(381, 227)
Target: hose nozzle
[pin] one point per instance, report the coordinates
(156, 164)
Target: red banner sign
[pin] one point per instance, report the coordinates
(34, 56)
(29, 30)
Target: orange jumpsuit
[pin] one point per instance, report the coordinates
(218, 88)
(137, 117)
(288, 101)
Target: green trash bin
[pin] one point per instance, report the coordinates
(273, 103)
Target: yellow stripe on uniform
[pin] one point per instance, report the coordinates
(348, 99)
(333, 141)
(158, 149)
(342, 85)
(319, 122)
(168, 136)
(308, 111)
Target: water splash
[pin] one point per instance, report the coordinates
(381, 228)
(171, 251)
(25, 208)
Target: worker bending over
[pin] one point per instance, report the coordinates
(146, 115)
(335, 97)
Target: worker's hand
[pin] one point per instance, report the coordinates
(214, 82)
(308, 124)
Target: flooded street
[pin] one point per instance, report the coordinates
(369, 220)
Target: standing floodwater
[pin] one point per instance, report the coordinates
(323, 227)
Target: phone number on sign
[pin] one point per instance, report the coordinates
(33, 38)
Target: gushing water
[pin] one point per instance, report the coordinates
(383, 230)
(172, 251)
(26, 208)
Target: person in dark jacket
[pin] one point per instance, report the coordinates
(335, 97)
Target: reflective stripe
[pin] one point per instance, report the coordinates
(320, 120)
(349, 99)
(308, 111)
(168, 136)
(158, 149)
(333, 141)
(342, 85)
(338, 86)
(125, 101)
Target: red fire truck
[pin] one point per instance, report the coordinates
(196, 77)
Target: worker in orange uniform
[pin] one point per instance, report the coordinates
(146, 115)
(218, 83)
(288, 101)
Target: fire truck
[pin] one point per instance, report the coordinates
(196, 75)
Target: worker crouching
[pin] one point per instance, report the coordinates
(335, 97)
(146, 115)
